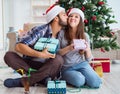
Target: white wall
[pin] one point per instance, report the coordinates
(115, 5)
(16, 13)
(1, 26)
(21, 12)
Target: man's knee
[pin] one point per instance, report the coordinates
(7, 54)
(57, 62)
(59, 59)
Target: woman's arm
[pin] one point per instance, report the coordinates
(88, 54)
(66, 49)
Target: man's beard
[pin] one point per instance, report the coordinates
(62, 23)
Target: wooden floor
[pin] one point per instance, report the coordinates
(110, 84)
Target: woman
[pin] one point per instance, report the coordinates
(76, 69)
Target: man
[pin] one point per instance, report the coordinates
(47, 65)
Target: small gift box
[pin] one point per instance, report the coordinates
(50, 43)
(105, 63)
(79, 44)
(97, 66)
(56, 87)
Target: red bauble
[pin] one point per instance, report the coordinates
(93, 18)
(100, 3)
(83, 8)
(86, 21)
(112, 33)
(102, 50)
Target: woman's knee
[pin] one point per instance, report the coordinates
(79, 82)
(95, 83)
(74, 79)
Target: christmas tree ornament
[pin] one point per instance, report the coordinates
(100, 3)
(83, 8)
(86, 21)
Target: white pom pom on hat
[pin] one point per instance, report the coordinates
(52, 12)
(76, 10)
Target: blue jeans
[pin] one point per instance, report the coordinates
(81, 74)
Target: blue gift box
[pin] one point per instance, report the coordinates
(56, 87)
(50, 43)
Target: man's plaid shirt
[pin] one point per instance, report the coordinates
(35, 33)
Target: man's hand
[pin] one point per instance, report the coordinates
(46, 54)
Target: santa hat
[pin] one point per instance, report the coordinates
(53, 11)
(76, 10)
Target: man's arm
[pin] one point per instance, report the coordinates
(26, 50)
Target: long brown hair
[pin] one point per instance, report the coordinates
(79, 33)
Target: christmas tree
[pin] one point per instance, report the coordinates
(98, 17)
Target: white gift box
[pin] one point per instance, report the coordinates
(79, 44)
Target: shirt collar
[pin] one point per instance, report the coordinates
(50, 29)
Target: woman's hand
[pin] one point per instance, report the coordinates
(85, 50)
(87, 46)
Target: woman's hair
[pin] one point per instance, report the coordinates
(79, 33)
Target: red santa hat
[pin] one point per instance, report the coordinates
(53, 11)
(76, 10)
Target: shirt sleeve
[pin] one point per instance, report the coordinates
(32, 37)
(88, 40)
(60, 38)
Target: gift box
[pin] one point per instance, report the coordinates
(97, 66)
(105, 63)
(56, 87)
(50, 43)
(79, 44)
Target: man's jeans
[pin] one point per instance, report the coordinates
(81, 74)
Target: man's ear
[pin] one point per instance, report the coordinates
(56, 18)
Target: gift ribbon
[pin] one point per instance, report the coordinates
(74, 90)
(46, 42)
(95, 65)
(30, 70)
(21, 71)
(56, 83)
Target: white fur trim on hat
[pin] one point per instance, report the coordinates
(76, 10)
(52, 12)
